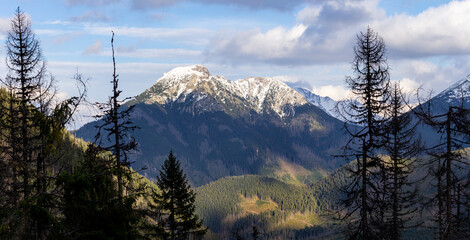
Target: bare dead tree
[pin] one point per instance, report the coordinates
(364, 114)
(447, 161)
(402, 146)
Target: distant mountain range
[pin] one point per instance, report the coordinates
(256, 125)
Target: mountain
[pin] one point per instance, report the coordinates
(218, 128)
(324, 103)
(456, 95)
(236, 98)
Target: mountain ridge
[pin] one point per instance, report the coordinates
(260, 94)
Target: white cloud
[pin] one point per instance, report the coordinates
(309, 14)
(251, 4)
(326, 31)
(324, 35)
(192, 36)
(91, 2)
(160, 53)
(436, 31)
(336, 92)
(94, 49)
(4, 25)
(91, 16)
(407, 85)
(65, 38)
(133, 52)
(52, 32)
(432, 74)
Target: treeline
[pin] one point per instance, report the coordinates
(380, 199)
(53, 186)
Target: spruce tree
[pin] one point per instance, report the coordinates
(32, 128)
(175, 203)
(362, 200)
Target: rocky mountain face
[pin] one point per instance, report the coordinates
(457, 95)
(324, 103)
(236, 98)
(218, 127)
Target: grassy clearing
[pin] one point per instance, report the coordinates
(299, 221)
(255, 205)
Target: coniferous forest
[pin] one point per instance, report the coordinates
(382, 179)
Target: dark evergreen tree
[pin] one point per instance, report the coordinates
(32, 128)
(175, 203)
(255, 234)
(371, 89)
(402, 146)
(237, 235)
(91, 207)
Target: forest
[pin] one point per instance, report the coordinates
(391, 185)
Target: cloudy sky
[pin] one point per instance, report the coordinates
(307, 43)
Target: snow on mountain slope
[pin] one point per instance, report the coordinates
(325, 103)
(456, 92)
(260, 94)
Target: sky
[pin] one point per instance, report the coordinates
(307, 43)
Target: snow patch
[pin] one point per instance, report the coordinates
(260, 94)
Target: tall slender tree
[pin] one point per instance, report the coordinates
(176, 203)
(402, 146)
(117, 126)
(114, 135)
(371, 89)
(31, 129)
(448, 159)
(27, 85)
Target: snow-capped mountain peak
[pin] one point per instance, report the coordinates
(325, 103)
(260, 94)
(458, 90)
(180, 73)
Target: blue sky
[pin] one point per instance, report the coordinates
(307, 43)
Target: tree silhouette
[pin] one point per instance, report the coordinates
(115, 122)
(402, 146)
(447, 160)
(176, 202)
(91, 207)
(371, 89)
(31, 130)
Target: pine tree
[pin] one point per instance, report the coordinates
(31, 130)
(176, 203)
(371, 89)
